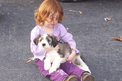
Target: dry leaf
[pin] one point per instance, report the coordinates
(107, 24)
(30, 59)
(76, 11)
(80, 12)
(118, 39)
(107, 19)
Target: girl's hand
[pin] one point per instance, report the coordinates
(52, 48)
(71, 56)
(56, 48)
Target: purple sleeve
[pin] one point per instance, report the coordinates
(34, 48)
(67, 37)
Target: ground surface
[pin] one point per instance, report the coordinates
(91, 32)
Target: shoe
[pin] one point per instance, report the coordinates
(87, 77)
(71, 78)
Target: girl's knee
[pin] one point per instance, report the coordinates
(58, 75)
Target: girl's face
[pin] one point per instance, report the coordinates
(50, 22)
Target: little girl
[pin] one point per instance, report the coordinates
(48, 18)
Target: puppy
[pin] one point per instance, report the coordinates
(54, 58)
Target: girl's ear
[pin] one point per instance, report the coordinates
(54, 41)
(36, 40)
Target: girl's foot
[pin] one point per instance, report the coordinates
(71, 78)
(87, 77)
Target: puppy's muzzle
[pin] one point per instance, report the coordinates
(43, 44)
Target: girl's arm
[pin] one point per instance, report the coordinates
(34, 48)
(67, 37)
(71, 56)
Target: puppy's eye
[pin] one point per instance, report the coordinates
(48, 40)
(40, 39)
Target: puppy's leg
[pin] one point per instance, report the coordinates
(81, 64)
(47, 64)
(55, 65)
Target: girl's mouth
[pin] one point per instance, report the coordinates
(52, 24)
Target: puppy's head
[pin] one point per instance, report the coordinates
(45, 41)
(54, 41)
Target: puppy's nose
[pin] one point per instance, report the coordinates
(43, 44)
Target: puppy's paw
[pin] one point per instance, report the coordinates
(52, 70)
(47, 66)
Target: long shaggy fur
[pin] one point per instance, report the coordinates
(54, 58)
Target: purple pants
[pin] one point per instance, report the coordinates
(65, 70)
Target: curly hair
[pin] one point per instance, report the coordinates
(47, 8)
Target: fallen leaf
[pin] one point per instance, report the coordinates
(107, 24)
(80, 12)
(75, 11)
(107, 19)
(11, 62)
(118, 39)
(30, 59)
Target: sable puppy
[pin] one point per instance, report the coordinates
(56, 57)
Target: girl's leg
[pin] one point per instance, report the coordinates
(58, 75)
(72, 69)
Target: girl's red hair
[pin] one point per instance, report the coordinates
(47, 8)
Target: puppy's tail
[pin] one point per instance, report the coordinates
(81, 56)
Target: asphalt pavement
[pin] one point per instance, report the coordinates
(92, 23)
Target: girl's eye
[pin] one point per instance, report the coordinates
(49, 19)
(57, 18)
(53, 18)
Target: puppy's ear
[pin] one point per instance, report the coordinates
(36, 40)
(54, 41)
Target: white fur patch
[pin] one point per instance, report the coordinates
(44, 42)
(54, 57)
